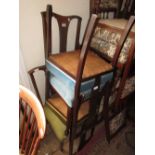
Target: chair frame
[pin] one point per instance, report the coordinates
(72, 113)
(118, 105)
(63, 23)
(33, 122)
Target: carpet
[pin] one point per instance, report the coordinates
(122, 144)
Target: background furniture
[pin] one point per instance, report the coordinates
(105, 42)
(112, 8)
(32, 121)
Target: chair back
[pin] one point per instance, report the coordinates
(112, 41)
(63, 23)
(32, 121)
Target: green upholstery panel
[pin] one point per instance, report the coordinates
(56, 123)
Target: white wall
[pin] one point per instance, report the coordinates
(30, 27)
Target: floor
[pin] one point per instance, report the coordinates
(122, 144)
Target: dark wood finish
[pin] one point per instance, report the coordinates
(31, 73)
(31, 122)
(83, 55)
(63, 24)
(79, 109)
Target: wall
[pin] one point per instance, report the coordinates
(30, 27)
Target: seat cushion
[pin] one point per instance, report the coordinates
(56, 114)
(63, 80)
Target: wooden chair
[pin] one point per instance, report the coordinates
(83, 76)
(105, 8)
(105, 43)
(32, 122)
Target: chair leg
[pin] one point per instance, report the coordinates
(71, 138)
(71, 142)
(107, 130)
(106, 113)
(61, 146)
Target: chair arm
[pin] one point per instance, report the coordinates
(33, 80)
(31, 71)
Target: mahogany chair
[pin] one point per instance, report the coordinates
(121, 55)
(79, 78)
(32, 122)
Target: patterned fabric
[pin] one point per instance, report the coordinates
(129, 87)
(106, 42)
(117, 121)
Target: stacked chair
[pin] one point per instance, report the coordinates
(76, 81)
(105, 43)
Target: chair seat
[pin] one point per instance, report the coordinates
(68, 62)
(63, 70)
(56, 114)
(61, 107)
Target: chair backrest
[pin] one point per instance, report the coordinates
(63, 24)
(32, 121)
(105, 8)
(113, 43)
(118, 47)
